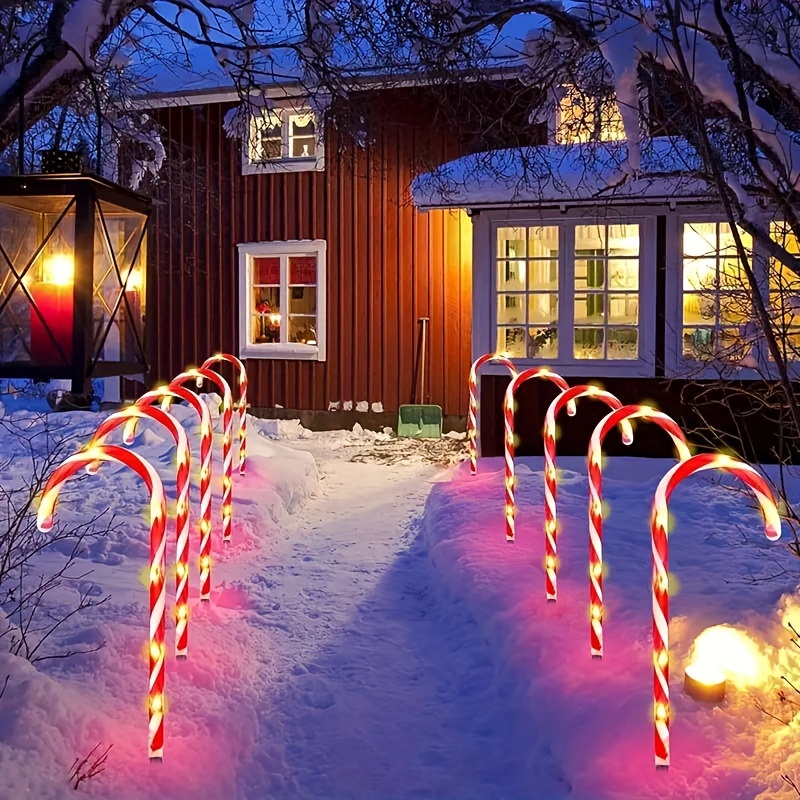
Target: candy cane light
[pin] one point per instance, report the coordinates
(227, 434)
(121, 418)
(472, 413)
(508, 439)
(659, 523)
(159, 394)
(551, 476)
(596, 502)
(158, 594)
(207, 364)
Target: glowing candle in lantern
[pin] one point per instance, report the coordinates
(51, 334)
(158, 595)
(472, 413)
(659, 524)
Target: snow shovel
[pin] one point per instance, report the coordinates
(420, 420)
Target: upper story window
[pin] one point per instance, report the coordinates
(582, 118)
(284, 139)
(282, 300)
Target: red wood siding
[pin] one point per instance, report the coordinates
(387, 264)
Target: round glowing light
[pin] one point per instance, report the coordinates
(731, 652)
(59, 269)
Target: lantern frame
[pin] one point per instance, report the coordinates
(86, 193)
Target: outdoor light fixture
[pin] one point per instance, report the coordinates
(72, 272)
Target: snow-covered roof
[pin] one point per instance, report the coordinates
(562, 173)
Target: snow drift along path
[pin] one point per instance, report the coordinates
(377, 688)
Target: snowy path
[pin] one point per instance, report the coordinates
(377, 688)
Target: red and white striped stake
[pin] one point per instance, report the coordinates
(596, 502)
(659, 524)
(472, 413)
(158, 592)
(227, 434)
(160, 394)
(242, 400)
(551, 476)
(111, 423)
(508, 425)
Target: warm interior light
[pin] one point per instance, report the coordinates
(58, 269)
(275, 319)
(134, 283)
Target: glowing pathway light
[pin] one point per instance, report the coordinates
(472, 413)
(158, 592)
(596, 502)
(508, 425)
(123, 417)
(162, 394)
(227, 432)
(207, 364)
(659, 523)
(550, 475)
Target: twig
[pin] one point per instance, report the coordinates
(85, 769)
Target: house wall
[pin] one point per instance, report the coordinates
(387, 264)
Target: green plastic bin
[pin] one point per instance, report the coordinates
(419, 422)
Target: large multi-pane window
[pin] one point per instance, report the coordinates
(569, 293)
(282, 299)
(583, 117)
(784, 293)
(716, 299)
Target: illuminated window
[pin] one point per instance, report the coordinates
(784, 294)
(585, 118)
(282, 300)
(716, 300)
(284, 139)
(595, 268)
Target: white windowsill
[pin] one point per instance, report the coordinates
(298, 352)
(590, 367)
(311, 164)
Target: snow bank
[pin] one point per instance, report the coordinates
(596, 714)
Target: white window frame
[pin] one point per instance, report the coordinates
(282, 349)
(560, 95)
(676, 365)
(485, 289)
(315, 162)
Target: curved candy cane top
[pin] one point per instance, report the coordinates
(205, 374)
(497, 358)
(207, 364)
(574, 393)
(637, 412)
(536, 372)
(106, 452)
(143, 412)
(743, 471)
(159, 394)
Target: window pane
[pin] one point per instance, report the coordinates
(734, 308)
(511, 276)
(589, 308)
(623, 308)
(511, 243)
(699, 273)
(784, 294)
(266, 315)
(266, 271)
(302, 270)
(698, 307)
(589, 343)
(698, 343)
(543, 342)
(700, 239)
(511, 341)
(623, 273)
(543, 242)
(623, 240)
(302, 329)
(542, 308)
(623, 343)
(590, 274)
(301, 136)
(727, 244)
(510, 308)
(543, 274)
(590, 237)
(303, 300)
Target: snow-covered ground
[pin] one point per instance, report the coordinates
(371, 635)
